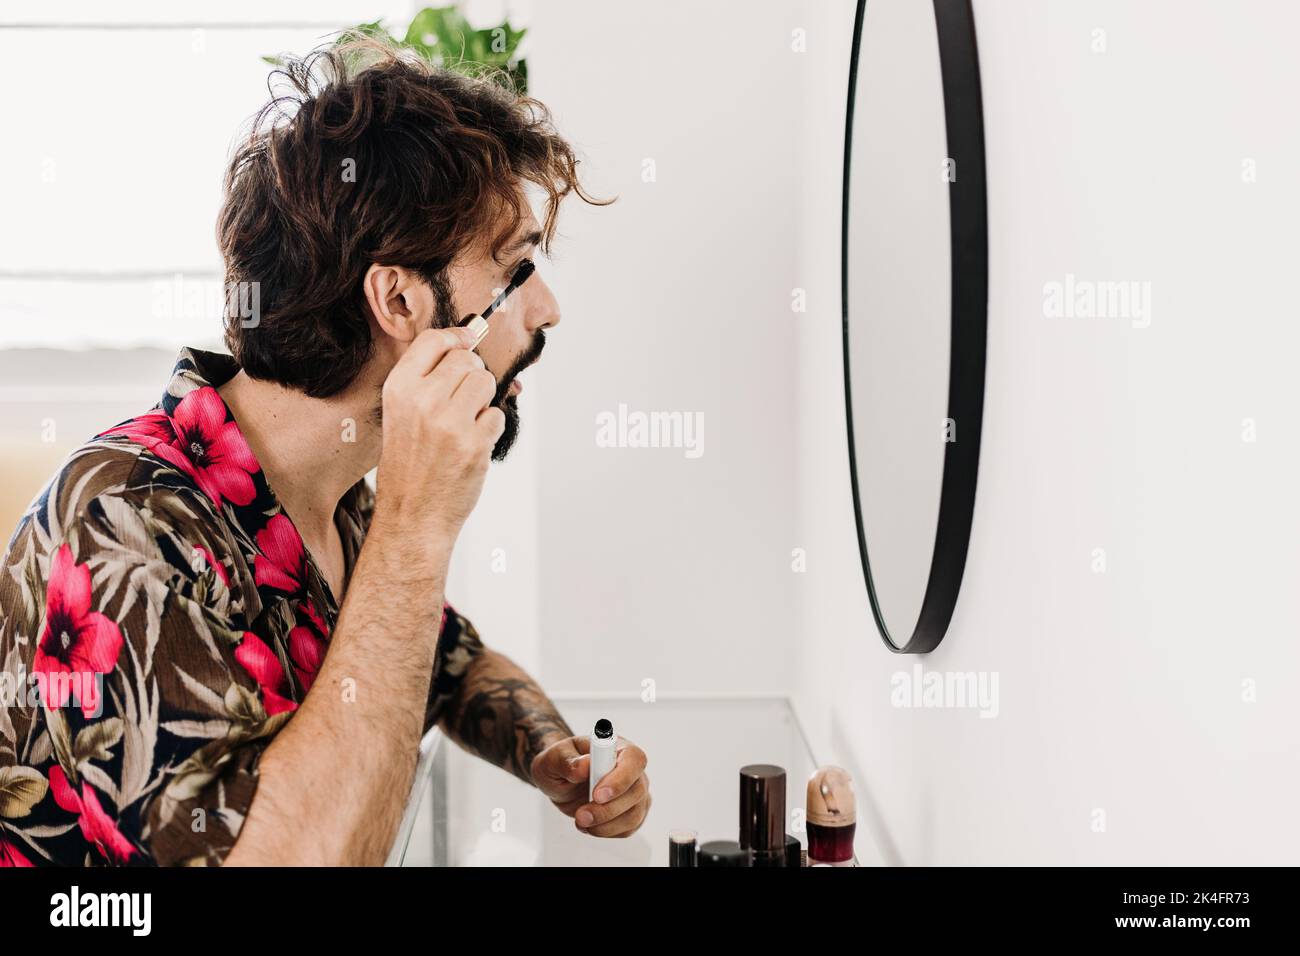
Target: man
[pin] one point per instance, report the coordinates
(226, 646)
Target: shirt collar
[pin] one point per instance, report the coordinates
(195, 369)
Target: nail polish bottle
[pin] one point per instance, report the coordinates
(831, 817)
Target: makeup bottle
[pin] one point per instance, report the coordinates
(831, 817)
(762, 814)
(683, 848)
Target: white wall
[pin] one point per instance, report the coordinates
(1121, 691)
(676, 298)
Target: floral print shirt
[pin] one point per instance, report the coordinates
(160, 622)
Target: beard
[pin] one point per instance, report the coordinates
(508, 403)
(508, 435)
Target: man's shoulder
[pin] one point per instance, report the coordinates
(109, 481)
(117, 521)
(93, 469)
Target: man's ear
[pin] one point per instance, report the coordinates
(401, 302)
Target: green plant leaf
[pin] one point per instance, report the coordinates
(511, 40)
(373, 29)
(444, 36)
(439, 32)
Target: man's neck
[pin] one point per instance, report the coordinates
(312, 450)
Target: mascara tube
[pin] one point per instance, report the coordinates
(603, 754)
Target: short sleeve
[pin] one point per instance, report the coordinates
(146, 734)
(458, 645)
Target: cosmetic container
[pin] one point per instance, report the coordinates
(683, 848)
(723, 853)
(604, 754)
(762, 813)
(793, 851)
(831, 817)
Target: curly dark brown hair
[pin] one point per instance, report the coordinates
(369, 156)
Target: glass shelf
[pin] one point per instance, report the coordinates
(470, 813)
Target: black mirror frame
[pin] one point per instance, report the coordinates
(968, 220)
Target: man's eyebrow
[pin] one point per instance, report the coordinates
(523, 242)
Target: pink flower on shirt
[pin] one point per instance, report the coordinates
(283, 561)
(307, 645)
(210, 449)
(148, 429)
(9, 855)
(96, 826)
(76, 644)
(264, 667)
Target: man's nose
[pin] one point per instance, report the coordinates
(543, 309)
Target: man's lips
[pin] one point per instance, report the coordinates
(516, 386)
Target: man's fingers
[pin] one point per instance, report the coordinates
(491, 422)
(577, 768)
(453, 369)
(475, 391)
(625, 825)
(427, 349)
(621, 816)
(629, 768)
(604, 812)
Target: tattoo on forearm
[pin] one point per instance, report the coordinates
(501, 715)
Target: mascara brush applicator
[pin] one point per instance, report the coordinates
(478, 324)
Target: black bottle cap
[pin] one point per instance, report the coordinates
(762, 808)
(723, 853)
(604, 729)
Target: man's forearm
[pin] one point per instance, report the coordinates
(333, 783)
(502, 715)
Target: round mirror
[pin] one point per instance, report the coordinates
(915, 281)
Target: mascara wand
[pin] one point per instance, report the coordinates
(478, 324)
